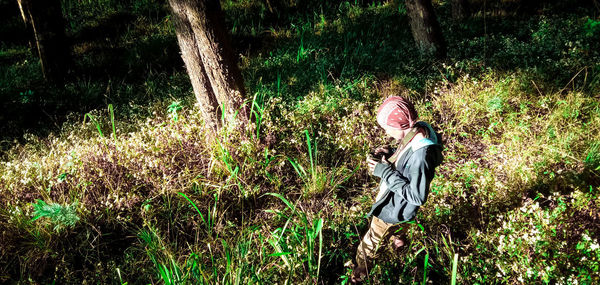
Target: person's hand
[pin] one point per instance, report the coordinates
(371, 163)
(383, 151)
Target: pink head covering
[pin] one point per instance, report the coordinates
(397, 113)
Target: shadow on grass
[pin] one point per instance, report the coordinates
(346, 42)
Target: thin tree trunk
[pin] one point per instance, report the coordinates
(44, 18)
(425, 27)
(209, 58)
(28, 28)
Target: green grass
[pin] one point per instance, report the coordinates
(283, 199)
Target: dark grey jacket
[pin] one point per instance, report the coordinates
(408, 184)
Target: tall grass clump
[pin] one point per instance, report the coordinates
(302, 243)
(318, 179)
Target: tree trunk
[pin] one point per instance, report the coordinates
(460, 9)
(44, 18)
(209, 59)
(425, 27)
(195, 69)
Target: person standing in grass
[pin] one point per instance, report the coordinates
(405, 173)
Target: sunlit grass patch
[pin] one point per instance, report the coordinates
(536, 148)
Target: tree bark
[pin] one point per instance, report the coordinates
(425, 27)
(209, 105)
(44, 18)
(209, 59)
(460, 9)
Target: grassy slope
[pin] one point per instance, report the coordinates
(515, 200)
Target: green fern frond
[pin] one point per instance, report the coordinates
(61, 216)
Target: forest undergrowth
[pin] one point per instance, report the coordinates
(129, 187)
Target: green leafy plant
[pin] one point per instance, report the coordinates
(26, 96)
(257, 110)
(165, 265)
(62, 216)
(173, 109)
(120, 277)
(111, 114)
(317, 179)
(454, 269)
(301, 51)
(591, 27)
(88, 115)
(210, 217)
(231, 165)
(593, 156)
(308, 233)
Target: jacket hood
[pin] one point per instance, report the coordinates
(433, 142)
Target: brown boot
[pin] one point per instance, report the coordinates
(397, 243)
(359, 274)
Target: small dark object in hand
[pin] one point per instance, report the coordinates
(381, 152)
(376, 156)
